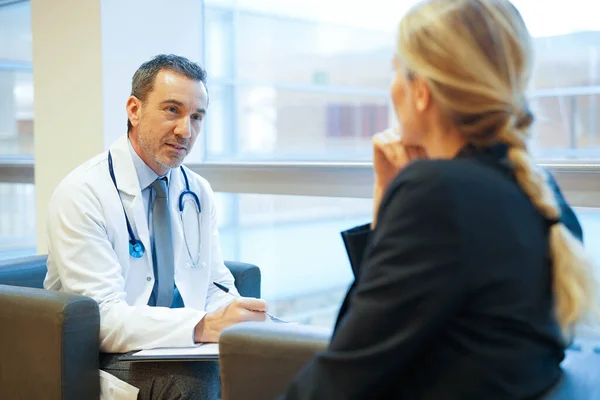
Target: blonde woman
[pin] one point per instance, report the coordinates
(473, 269)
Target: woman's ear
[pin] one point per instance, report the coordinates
(133, 108)
(421, 93)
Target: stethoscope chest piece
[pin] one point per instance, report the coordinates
(136, 248)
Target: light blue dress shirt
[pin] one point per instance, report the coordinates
(146, 176)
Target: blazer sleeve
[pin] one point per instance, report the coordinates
(567, 215)
(411, 283)
(356, 242)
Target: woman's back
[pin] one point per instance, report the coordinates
(503, 338)
(453, 297)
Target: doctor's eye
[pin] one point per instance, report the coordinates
(197, 117)
(172, 110)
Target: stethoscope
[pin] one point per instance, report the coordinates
(136, 247)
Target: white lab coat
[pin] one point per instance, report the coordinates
(88, 254)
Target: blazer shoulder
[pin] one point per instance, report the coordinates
(423, 185)
(432, 173)
(429, 174)
(420, 188)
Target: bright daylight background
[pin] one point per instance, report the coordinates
(306, 81)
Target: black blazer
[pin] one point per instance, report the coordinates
(452, 296)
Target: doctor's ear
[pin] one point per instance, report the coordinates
(133, 108)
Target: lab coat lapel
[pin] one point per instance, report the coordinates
(131, 194)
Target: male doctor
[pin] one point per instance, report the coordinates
(116, 234)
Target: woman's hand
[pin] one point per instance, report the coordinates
(390, 155)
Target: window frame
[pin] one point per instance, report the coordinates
(579, 179)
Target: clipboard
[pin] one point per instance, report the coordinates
(201, 352)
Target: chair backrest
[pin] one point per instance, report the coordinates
(31, 271)
(26, 271)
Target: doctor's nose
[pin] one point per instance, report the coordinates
(184, 128)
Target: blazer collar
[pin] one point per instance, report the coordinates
(496, 151)
(495, 155)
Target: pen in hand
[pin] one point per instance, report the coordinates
(226, 290)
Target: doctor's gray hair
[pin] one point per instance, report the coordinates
(142, 82)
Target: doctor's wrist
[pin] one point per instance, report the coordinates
(204, 331)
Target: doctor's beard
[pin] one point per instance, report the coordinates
(163, 154)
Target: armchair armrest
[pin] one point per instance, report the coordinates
(247, 278)
(258, 360)
(49, 345)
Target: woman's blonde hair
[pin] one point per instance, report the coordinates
(475, 56)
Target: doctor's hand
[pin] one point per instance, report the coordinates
(390, 156)
(241, 309)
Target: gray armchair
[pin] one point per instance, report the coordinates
(258, 361)
(49, 341)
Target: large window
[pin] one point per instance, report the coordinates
(308, 80)
(17, 199)
(296, 87)
(296, 242)
(16, 81)
(17, 220)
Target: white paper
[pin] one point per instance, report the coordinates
(206, 349)
(112, 388)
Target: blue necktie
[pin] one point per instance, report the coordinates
(162, 251)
